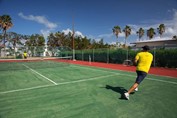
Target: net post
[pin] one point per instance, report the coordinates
(90, 60)
(74, 55)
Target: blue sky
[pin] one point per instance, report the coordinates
(92, 18)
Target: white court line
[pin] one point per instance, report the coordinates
(83, 80)
(25, 89)
(40, 74)
(121, 71)
(63, 83)
(170, 82)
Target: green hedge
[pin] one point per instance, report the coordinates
(162, 57)
(166, 58)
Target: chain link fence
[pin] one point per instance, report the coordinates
(32, 51)
(163, 56)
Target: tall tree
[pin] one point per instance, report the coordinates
(1, 38)
(5, 24)
(140, 33)
(14, 39)
(51, 40)
(127, 31)
(35, 44)
(116, 30)
(161, 29)
(150, 33)
(40, 41)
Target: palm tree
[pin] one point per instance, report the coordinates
(116, 30)
(127, 31)
(161, 29)
(150, 33)
(140, 33)
(5, 24)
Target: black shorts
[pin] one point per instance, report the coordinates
(140, 76)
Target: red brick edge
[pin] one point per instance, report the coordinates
(154, 70)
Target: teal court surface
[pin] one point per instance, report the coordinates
(73, 91)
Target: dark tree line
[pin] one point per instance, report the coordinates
(60, 39)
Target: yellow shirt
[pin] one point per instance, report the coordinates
(25, 54)
(144, 60)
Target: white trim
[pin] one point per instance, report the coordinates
(170, 82)
(63, 83)
(83, 80)
(25, 89)
(41, 75)
(135, 76)
(125, 71)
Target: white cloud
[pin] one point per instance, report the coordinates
(77, 33)
(97, 39)
(67, 31)
(41, 20)
(170, 27)
(45, 33)
(170, 31)
(114, 43)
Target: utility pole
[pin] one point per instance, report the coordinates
(73, 39)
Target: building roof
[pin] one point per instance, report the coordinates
(160, 42)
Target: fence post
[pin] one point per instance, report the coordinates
(154, 56)
(82, 55)
(93, 56)
(90, 60)
(107, 55)
(127, 54)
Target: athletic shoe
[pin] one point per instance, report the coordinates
(136, 89)
(126, 95)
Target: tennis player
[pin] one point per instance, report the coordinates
(143, 61)
(25, 54)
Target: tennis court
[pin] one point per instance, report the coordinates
(63, 90)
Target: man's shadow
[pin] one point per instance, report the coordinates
(120, 90)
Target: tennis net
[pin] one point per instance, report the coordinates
(34, 63)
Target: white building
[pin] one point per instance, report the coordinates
(156, 43)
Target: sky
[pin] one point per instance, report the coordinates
(91, 18)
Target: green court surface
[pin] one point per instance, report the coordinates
(74, 91)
